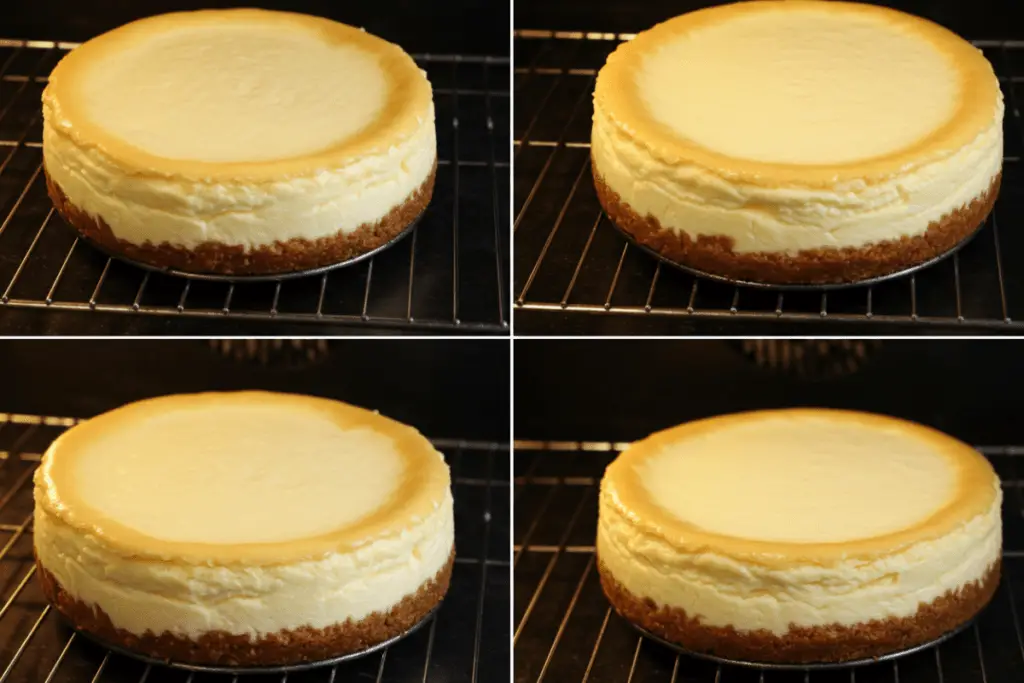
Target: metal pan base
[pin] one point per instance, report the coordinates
(812, 666)
(241, 670)
(272, 277)
(797, 287)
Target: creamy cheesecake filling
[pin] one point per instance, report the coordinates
(237, 474)
(799, 87)
(808, 478)
(238, 92)
(142, 208)
(724, 591)
(190, 600)
(686, 197)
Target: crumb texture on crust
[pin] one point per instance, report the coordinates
(827, 643)
(813, 266)
(218, 648)
(280, 257)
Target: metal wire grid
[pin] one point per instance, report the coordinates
(450, 274)
(565, 630)
(572, 265)
(467, 640)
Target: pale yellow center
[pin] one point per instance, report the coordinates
(245, 91)
(800, 480)
(801, 87)
(237, 474)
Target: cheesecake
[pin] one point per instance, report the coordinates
(797, 141)
(799, 536)
(243, 529)
(239, 141)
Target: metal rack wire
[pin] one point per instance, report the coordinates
(574, 273)
(467, 641)
(449, 275)
(566, 631)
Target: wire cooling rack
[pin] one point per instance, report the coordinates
(450, 275)
(575, 274)
(565, 630)
(467, 640)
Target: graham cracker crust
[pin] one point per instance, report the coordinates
(219, 648)
(828, 265)
(280, 257)
(804, 645)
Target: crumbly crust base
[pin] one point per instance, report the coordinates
(714, 254)
(290, 646)
(280, 257)
(801, 645)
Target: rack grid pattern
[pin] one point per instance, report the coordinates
(450, 274)
(466, 641)
(574, 272)
(566, 631)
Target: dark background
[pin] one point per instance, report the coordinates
(445, 388)
(452, 26)
(978, 19)
(621, 390)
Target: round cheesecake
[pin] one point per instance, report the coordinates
(239, 141)
(797, 142)
(243, 529)
(799, 536)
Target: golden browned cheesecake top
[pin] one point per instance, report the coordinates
(798, 92)
(250, 477)
(802, 485)
(240, 94)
